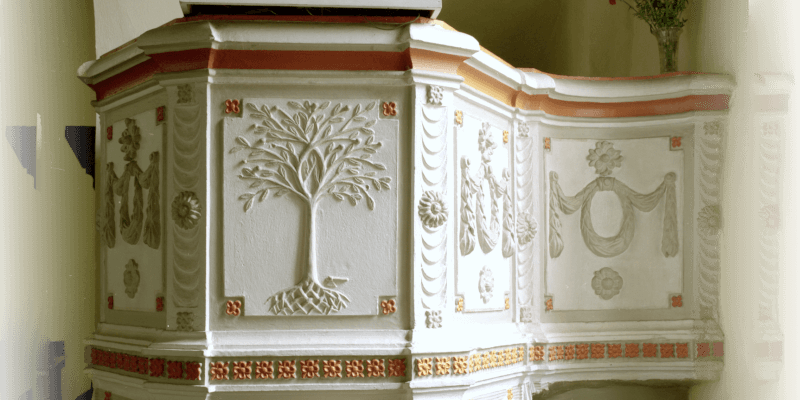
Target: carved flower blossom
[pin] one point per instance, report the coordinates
(524, 129)
(606, 283)
(309, 368)
(435, 94)
(424, 366)
(185, 320)
(332, 368)
(355, 369)
(388, 306)
(432, 210)
(708, 220)
(433, 319)
(604, 158)
(218, 371)
(186, 210)
(242, 369)
(375, 368)
(486, 143)
(397, 367)
(442, 365)
(526, 228)
(286, 369)
(264, 370)
(389, 109)
(233, 307)
(130, 140)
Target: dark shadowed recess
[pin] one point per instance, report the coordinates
(315, 11)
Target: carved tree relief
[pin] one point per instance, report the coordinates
(316, 152)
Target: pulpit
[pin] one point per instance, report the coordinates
(367, 204)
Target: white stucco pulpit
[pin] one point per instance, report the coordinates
(376, 207)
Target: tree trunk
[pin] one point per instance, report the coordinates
(311, 261)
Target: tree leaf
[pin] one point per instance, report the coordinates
(247, 171)
(358, 180)
(248, 204)
(352, 199)
(367, 131)
(353, 161)
(241, 140)
(336, 120)
(357, 110)
(264, 194)
(324, 105)
(370, 173)
(353, 171)
(235, 149)
(255, 184)
(359, 119)
(281, 192)
(371, 123)
(338, 196)
(336, 109)
(354, 136)
(370, 203)
(251, 107)
(369, 150)
(371, 106)
(296, 105)
(246, 196)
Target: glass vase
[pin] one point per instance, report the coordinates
(667, 47)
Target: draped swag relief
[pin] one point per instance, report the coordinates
(131, 223)
(629, 199)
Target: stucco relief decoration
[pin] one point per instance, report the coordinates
(233, 307)
(432, 209)
(433, 319)
(486, 284)
(389, 306)
(442, 365)
(526, 314)
(161, 114)
(435, 95)
(131, 224)
(424, 366)
(526, 228)
(474, 218)
(159, 303)
(309, 368)
(218, 371)
(677, 301)
(459, 118)
(460, 304)
(389, 109)
(110, 302)
(397, 367)
(286, 369)
(131, 278)
(185, 94)
(264, 370)
(523, 129)
(355, 369)
(332, 368)
(186, 210)
(232, 106)
(318, 151)
(606, 283)
(604, 158)
(375, 368)
(708, 220)
(185, 320)
(242, 369)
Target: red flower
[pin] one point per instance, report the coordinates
(612, 2)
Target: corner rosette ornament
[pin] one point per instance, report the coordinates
(604, 158)
(526, 228)
(708, 220)
(524, 129)
(186, 210)
(432, 210)
(435, 95)
(606, 283)
(486, 143)
(433, 319)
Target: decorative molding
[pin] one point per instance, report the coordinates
(433, 173)
(397, 367)
(131, 278)
(442, 365)
(286, 369)
(708, 220)
(547, 144)
(505, 137)
(524, 129)
(424, 366)
(460, 304)
(242, 370)
(375, 368)
(459, 118)
(288, 161)
(675, 143)
(486, 284)
(677, 301)
(187, 233)
(309, 369)
(332, 368)
(218, 371)
(510, 395)
(159, 303)
(265, 370)
(604, 158)
(435, 95)
(389, 109)
(710, 167)
(161, 115)
(355, 369)
(110, 132)
(526, 197)
(606, 283)
(110, 302)
(508, 303)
